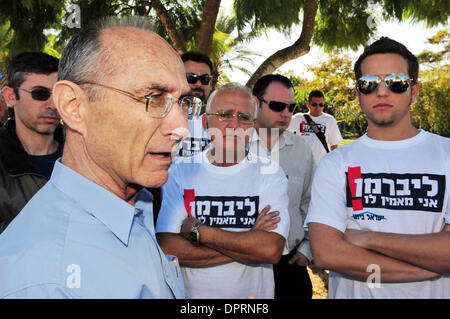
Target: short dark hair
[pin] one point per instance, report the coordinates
(197, 57)
(260, 87)
(29, 62)
(387, 45)
(315, 93)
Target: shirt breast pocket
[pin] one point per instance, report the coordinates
(174, 266)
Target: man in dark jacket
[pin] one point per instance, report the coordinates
(32, 140)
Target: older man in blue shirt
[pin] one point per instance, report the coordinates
(88, 233)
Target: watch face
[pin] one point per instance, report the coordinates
(194, 237)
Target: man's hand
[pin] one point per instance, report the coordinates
(299, 259)
(267, 220)
(187, 225)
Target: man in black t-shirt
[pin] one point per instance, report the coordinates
(32, 140)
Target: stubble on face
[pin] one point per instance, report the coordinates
(40, 117)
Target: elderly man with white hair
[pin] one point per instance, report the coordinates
(215, 212)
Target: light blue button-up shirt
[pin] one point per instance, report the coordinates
(75, 239)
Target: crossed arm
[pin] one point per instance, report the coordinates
(335, 250)
(218, 246)
(428, 251)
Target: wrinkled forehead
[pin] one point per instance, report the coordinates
(232, 100)
(143, 56)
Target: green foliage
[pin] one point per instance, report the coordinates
(27, 21)
(263, 14)
(432, 107)
(342, 25)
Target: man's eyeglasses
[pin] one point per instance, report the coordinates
(39, 93)
(158, 105)
(243, 118)
(192, 78)
(317, 104)
(396, 82)
(278, 106)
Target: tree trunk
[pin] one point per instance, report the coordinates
(207, 27)
(170, 27)
(298, 49)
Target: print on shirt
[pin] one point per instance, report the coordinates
(424, 192)
(192, 145)
(305, 128)
(222, 211)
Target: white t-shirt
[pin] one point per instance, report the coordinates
(197, 140)
(387, 186)
(229, 198)
(326, 123)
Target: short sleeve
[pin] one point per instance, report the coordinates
(327, 205)
(172, 212)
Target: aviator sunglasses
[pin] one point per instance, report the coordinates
(39, 93)
(396, 82)
(192, 78)
(278, 106)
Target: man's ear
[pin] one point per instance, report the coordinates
(415, 91)
(205, 121)
(9, 95)
(72, 105)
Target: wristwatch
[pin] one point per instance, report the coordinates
(194, 235)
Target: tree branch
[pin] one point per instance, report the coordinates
(207, 27)
(170, 26)
(298, 49)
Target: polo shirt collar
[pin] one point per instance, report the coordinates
(285, 139)
(116, 214)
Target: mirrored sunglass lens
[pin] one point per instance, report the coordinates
(368, 84)
(397, 83)
(40, 94)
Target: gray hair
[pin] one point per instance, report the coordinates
(84, 59)
(233, 86)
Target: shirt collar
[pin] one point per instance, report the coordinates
(285, 139)
(116, 214)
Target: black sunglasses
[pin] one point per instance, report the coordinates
(317, 104)
(278, 106)
(192, 78)
(39, 93)
(396, 82)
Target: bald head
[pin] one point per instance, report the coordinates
(101, 51)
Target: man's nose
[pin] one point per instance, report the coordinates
(175, 124)
(50, 103)
(285, 112)
(382, 89)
